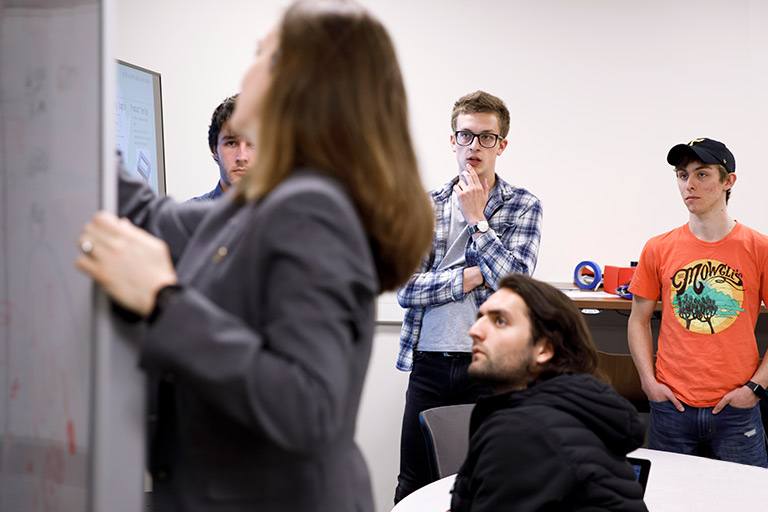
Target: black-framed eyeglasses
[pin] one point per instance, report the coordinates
(487, 140)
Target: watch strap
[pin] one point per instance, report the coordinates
(756, 388)
(476, 227)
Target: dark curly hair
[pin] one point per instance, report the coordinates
(220, 116)
(555, 318)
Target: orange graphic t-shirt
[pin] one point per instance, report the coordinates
(710, 294)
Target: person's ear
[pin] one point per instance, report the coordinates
(543, 351)
(215, 154)
(731, 180)
(502, 146)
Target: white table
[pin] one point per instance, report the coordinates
(676, 483)
(684, 482)
(435, 497)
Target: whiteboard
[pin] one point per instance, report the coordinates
(55, 341)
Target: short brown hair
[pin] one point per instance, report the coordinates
(337, 103)
(220, 115)
(687, 160)
(480, 102)
(555, 318)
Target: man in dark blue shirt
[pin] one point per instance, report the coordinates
(231, 151)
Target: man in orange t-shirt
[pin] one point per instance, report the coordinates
(711, 275)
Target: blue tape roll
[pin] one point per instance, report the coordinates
(583, 281)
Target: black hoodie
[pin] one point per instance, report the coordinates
(558, 445)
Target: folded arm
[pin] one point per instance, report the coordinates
(515, 250)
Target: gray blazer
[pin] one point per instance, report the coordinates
(260, 360)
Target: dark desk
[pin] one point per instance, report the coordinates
(606, 316)
(596, 300)
(601, 300)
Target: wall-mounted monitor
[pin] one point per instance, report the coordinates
(139, 123)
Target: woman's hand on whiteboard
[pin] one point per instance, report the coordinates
(127, 262)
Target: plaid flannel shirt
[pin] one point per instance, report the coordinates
(510, 246)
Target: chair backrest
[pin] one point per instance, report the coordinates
(623, 376)
(446, 430)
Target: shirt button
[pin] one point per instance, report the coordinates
(162, 474)
(220, 254)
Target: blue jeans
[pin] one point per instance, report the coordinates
(436, 380)
(734, 434)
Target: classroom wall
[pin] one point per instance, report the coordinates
(599, 90)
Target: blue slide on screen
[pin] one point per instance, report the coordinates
(139, 128)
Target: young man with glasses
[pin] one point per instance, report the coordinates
(485, 228)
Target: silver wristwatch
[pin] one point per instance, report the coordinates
(480, 227)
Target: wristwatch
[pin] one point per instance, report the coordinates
(756, 388)
(480, 227)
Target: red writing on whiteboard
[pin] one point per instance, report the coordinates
(14, 388)
(71, 437)
(6, 312)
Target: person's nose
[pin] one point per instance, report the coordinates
(242, 152)
(476, 332)
(476, 144)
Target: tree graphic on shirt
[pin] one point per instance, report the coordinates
(704, 306)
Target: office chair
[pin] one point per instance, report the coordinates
(446, 430)
(623, 376)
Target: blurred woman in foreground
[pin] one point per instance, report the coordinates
(259, 308)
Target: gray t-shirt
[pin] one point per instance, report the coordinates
(445, 328)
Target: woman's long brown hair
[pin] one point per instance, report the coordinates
(337, 103)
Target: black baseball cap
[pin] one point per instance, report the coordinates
(707, 150)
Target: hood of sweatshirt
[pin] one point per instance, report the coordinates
(593, 403)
